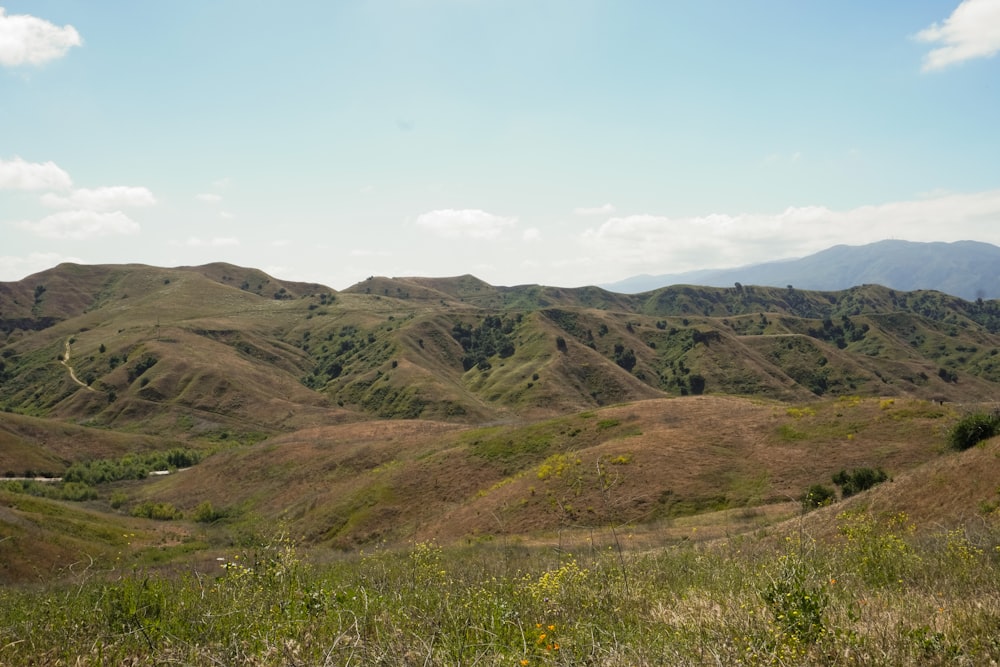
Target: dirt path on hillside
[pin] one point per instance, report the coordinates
(72, 373)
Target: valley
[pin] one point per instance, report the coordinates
(452, 413)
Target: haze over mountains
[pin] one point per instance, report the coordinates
(969, 269)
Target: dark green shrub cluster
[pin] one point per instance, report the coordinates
(973, 428)
(624, 357)
(858, 480)
(818, 495)
(839, 334)
(491, 338)
(141, 367)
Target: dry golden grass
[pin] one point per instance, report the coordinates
(660, 470)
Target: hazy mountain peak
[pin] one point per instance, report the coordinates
(968, 269)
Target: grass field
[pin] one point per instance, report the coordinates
(882, 591)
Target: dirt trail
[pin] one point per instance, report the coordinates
(72, 373)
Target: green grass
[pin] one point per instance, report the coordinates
(875, 594)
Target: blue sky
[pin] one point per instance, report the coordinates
(563, 143)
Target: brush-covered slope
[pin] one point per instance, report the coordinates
(219, 348)
(646, 461)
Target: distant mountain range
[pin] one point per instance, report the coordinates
(967, 269)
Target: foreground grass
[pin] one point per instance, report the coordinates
(876, 594)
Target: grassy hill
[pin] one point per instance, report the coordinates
(440, 471)
(450, 409)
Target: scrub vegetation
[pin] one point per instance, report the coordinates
(207, 465)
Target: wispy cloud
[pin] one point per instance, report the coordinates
(972, 31)
(102, 199)
(663, 244)
(28, 40)
(607, 209)
(208, 197)
(465, 223)
(19, 174)
(80, 225)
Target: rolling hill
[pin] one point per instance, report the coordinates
(451, 409)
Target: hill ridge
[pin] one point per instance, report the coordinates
(968, 269)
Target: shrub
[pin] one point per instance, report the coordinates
(158, 511)
(858, 480)
(973, 428)
(205, 513)
(797, 599)
(118, 499)
(817, 495)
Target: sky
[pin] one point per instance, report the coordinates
(558, 142)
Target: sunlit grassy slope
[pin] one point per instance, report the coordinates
(450, 409)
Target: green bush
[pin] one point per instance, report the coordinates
(973, 428)
(817, 495)
(797, 599)
(205, 513)
(158, 511)
(858, 480)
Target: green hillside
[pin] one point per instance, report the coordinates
(453, 410)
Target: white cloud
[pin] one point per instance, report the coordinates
(607, 209)
(468, 223)
(19, 174)
(531, 234)
(972, 31)
(368, 190)
(102, 199)
(281, 243)
(218, 242)
(17, 268)
(80, 225)
(661, 244)
(209, 198)
(226, 215)
(28, 40)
